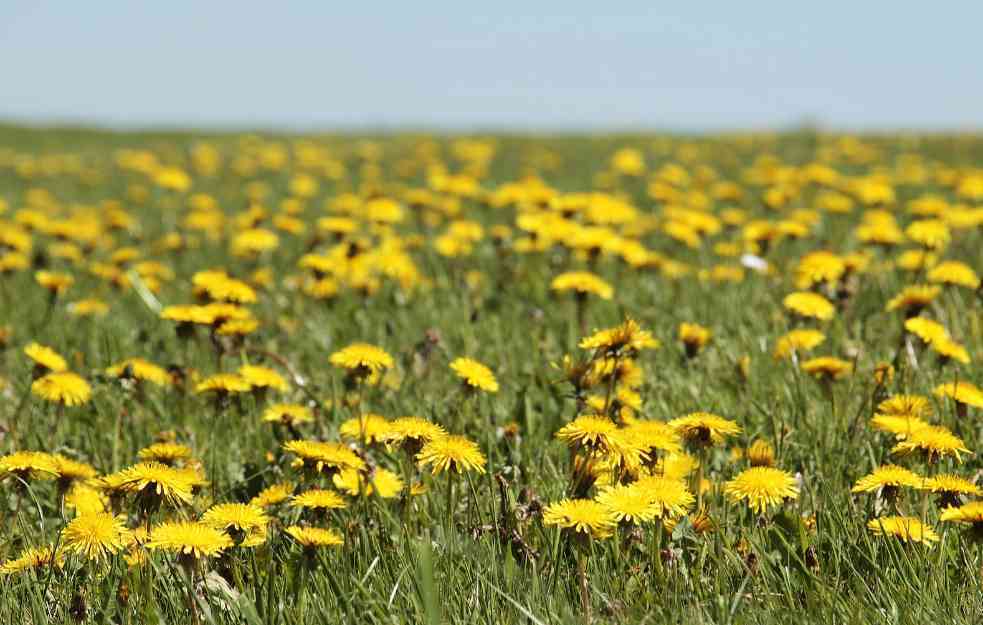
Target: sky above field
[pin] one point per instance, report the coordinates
(543, 65)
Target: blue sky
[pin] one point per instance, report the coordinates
(525, 65)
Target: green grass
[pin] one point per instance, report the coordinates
(407, 565)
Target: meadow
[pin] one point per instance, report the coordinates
(250, 378)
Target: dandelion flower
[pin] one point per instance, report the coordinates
(223, 383)
(318, 499)
(452, 453)
(288, 414)
(189, 540)
(413, 432)
(913, 299)
(33, 559)
(971, 512)
(591, 431)
(626, 339)
(95, 536)
(955, 273)
(582, 516)
(628, 503)
(669, 495)
(963, 393)
(154, 483)
(244, 523)
(323, 456)
(811, 305)
(65, 388)
(45, 358)
(165, 453)
(140, 369)
(797, 341)
(694, 337)
(887, 479)
(386, 483)
(583, 283)
(934, 441)
(362, 358)
(367, 428)
(704, 428)
(901, 426)
(273, 495)
(908, 529)
(762, 487)
(475, 375)
(263, 377)
(827, 368)
(312, 538)
(29, 464)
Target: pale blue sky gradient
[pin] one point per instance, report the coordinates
(503, 65)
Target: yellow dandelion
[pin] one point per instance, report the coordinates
(95, 536)
(318, 499)
(311, 538)
(45, 358)
(888, 477)
(797, 341)
(65, 388)
(140, 369)
(273, 495)
(189, 540)
(382, 481)
(704, 428)
(475, 375)
(362, 358)
(583, 283)
(451, 453)
(934, 442)
(263, 377)
(288, 414)
(669, 495)
(582, 516)
(367, 428)
(907, 529)
(761, 487)
(811, 305)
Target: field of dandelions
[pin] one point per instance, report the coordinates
(397, 379)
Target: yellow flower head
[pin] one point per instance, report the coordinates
(827, 367)
(971, 512)
(451, 453)
(368, 428)
(45, 358)
(934, 442)
(273, 495)
(669, 495)
(582, 516)
(165, 453)
(475, 375)
(907, 529)
(318, 499)
(810, 305)
(363, 358)
(140, 369)
(288, 414)
(704, 428)
(244, 523)
(65, 388)
(263, 377)
(382, 481)
(189, 540)
(913, 299)
(889, 476)
(626, 339)
(95, 536)
(315, 537)
(583, 283)
(797, 341)
(761, 487)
